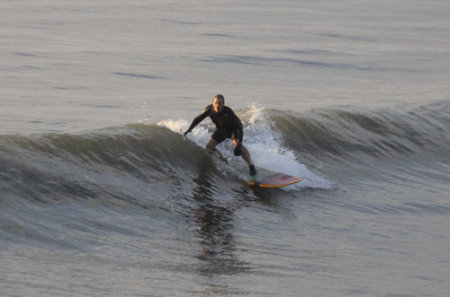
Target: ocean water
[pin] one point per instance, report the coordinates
(101, 195)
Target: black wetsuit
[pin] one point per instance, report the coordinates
(227, 123)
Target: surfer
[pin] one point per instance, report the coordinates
(228, 125)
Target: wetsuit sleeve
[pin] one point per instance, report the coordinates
(206, 112)
(235, 121)
(238, 130)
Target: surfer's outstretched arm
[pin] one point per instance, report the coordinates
(198, 119)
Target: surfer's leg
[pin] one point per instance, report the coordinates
(237, 137)
(245, 154)
(211, 147)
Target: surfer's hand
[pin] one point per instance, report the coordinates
(238, 150)
(185, 133)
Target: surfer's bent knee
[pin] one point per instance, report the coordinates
(211, 149)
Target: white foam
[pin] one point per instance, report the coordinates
(199, 135)
(267, 150)
(177, 126)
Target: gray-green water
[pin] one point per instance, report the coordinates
(101, 195)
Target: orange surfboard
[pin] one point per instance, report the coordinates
(276, 181)
(265, 178)
(271, 179)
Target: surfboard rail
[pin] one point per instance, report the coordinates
(276, 181)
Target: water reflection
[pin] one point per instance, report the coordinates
(215, 235)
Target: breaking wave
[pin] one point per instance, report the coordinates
(120, 166)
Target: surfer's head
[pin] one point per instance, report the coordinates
(218, 103)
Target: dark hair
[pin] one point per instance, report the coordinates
(219, 96)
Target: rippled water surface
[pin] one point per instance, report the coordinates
(101, 195)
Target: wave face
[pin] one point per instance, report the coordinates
(122, 164)
(354, 134)
(110, 163)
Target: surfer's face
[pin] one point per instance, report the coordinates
(218, 104)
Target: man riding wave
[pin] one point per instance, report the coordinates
(228, 125)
